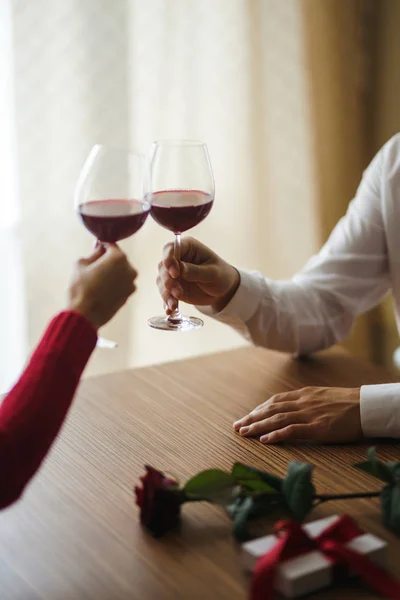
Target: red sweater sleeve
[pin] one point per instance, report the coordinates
(32, 413)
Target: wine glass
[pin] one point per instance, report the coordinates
(181, 195)
(111, 199)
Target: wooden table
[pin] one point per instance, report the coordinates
(76, 536)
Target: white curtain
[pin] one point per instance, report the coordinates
(13, 345)
(230, 72)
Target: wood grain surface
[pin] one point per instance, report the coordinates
(75, 535)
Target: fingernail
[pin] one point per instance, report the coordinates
(244, 430)
(264, 438)
(171, 304)
(237, 423)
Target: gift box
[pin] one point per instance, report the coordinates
(310, 570)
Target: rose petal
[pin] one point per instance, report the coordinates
(139, 496)
(159, 500)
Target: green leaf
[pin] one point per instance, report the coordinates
(256, 480)
(382, 471)
(273, 481)
(212, 485)
(390, 505)
(298, 489)
(242, 514)
(250, 480)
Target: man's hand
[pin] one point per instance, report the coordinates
(320, 414)
(201, 277)
(101, 284)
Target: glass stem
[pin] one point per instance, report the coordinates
(176, 317)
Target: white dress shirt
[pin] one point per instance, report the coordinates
(355, 269)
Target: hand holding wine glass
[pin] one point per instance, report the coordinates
(201, 277)
(101, 284)
(182, 195)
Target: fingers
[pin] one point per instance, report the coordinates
(196, 266)
(117, 257)
(170, 289)
(114, 263)
(98, 251)
(172, 286)
(294, 432)
(168, 284)
(192, 252)
(114, 252)
(272, 423)
(297, 415)
(277, 403)
(169, 301)
(109, 252)
(198, 273)
(102, 284)
(169, 262)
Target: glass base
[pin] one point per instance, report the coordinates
(182, 324)
(105, 343)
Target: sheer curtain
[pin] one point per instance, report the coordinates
(12, 314)
(230, 72)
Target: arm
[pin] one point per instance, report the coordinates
(32, 413)
(317, 308)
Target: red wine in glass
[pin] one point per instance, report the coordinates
(180, 210)
(113, 220)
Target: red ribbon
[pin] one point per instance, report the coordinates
(293, 541)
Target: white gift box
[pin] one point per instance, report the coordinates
(310, 571)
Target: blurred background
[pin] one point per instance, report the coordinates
(293, 98)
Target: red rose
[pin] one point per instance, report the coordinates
(159, 500)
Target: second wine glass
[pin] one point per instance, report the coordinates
(181, 196)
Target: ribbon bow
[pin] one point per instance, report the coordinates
(293, 541)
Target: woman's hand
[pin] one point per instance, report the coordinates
(101, 284)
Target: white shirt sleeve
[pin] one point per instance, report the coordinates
(318, 307)
(380, 410)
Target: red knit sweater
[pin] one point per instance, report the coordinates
(32, 413)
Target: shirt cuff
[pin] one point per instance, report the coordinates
(380, 410)
(246, 300)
